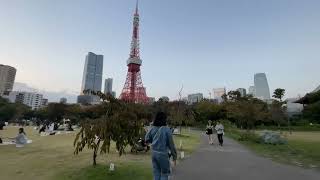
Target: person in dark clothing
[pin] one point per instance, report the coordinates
(161, 140)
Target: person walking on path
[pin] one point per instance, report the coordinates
(161, 140)
(220, 132)
(209, 131)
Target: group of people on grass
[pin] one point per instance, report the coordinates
(219, 130)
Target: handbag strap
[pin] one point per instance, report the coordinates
(157, 134)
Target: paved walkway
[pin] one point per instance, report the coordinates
(233, 161)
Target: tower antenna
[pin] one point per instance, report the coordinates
(137, 7)
(133, 90)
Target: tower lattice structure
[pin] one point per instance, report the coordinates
(133, 90)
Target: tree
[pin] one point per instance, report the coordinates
(11, 111)
(56, 112)
(206, 110)
(278, 111)
(247, 112)
(120, 122)
(179, 114)
(279, 93)
(234, 95)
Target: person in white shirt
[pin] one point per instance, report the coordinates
(220, 132)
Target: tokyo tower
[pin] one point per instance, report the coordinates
(133, 90)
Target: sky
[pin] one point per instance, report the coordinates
(197, 44)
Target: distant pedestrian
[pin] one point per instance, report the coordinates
(209, 131)
(220, 132)
(161, 140)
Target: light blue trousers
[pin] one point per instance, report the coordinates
(161, 166)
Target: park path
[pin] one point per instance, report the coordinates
(234, 161)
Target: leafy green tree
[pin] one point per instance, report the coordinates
(312, 112)
(247, 112)
(234, 95)
(277, 110)
(180, 114)
(119, 122)
(279, 93)
(206, 110)
(56, 112)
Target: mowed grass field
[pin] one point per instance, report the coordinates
(51, 157)
(303, 149)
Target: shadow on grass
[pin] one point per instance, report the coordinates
(123, 171)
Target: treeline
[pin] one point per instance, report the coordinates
(245, 112)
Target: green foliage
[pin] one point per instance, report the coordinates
(279, 93)
(278, 113)
(312, 112)
(249, 136)
(118, 121)
(247, 112)
(12, 111)
(180, 114)
(206, 110)
(310, 98)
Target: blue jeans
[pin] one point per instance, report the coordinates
(161, 166)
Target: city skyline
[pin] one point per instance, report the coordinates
(222, 43)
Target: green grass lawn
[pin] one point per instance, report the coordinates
(303, 149)
(51, 158)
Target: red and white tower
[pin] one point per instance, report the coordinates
(133, 90)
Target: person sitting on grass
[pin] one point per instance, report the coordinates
(161, 140)
(21, 138)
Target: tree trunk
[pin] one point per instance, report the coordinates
(94, 157)
(95, 153)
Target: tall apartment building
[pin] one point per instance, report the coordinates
(92, 73)
(194, 98)
(218, 93)
(7, 77)
(108, 86)
(33, 100)
(92, 78)
(261, 86)
(252, 91)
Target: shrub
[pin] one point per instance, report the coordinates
(271, 137)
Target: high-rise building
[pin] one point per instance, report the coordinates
(108, 86)
(33, 100)
(92, 74)
(242, 91)
(7, 77)
(92, 77)
(261, 86)
(218, 93)
(195, 98)
(252, 91)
